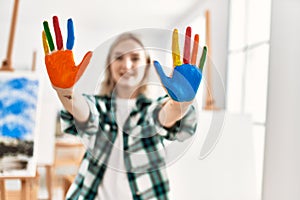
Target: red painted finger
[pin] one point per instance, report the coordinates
(187, 45)
(58, 36)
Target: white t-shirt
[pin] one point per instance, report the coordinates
(115, 184)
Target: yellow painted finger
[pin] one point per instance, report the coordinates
(175, 49)
(45, 43)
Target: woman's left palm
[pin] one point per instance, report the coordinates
(182, 86)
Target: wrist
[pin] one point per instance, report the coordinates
(182, 106)
(64, 92)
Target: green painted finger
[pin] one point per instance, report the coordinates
(203, 58)
(48, 35)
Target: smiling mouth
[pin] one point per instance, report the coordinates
(127, 74)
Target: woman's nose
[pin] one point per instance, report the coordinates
(127, 63)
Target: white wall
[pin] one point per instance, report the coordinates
(228, 173)
(282, 148)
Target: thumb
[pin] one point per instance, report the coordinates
(83, 65)
(164, 79)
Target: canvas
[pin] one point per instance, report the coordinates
(19, 108)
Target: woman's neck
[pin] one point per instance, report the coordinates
(126, 93)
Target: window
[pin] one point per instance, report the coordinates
(247, 72)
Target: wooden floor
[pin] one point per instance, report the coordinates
(42, 192)
(15, 195)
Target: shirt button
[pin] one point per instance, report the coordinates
(106, 127)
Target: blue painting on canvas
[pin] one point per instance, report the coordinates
(19, 100)
(18, 103)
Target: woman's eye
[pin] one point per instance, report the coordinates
(135, 59)
(119, 58)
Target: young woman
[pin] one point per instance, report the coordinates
(125, 129)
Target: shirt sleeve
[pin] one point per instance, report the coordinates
(71, 126)
(182, 129)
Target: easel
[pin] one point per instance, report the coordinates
(209, 101)
(29, 187)
(29, 184)
(7, 64)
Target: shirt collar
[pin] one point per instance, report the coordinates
(141, 101)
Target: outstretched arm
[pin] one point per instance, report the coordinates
(62, 71)
(74, 103)
(172, 111)
(183, 85)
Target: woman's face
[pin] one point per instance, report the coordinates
(128, 64)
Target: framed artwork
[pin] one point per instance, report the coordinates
(19, 110)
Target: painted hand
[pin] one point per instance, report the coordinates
(182, 86)
(61, 68)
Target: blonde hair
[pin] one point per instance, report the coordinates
(107, 85)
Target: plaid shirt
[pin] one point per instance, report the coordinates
(143, 137)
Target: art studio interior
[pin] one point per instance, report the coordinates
(246, 142)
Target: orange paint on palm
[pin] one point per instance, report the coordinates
(62, 63)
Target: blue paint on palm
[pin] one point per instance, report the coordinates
(184, 83)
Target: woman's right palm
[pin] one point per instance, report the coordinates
(61, 68)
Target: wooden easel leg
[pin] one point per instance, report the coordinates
(2, 190)
(34, 187)
(25, 190)
(49, 176)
